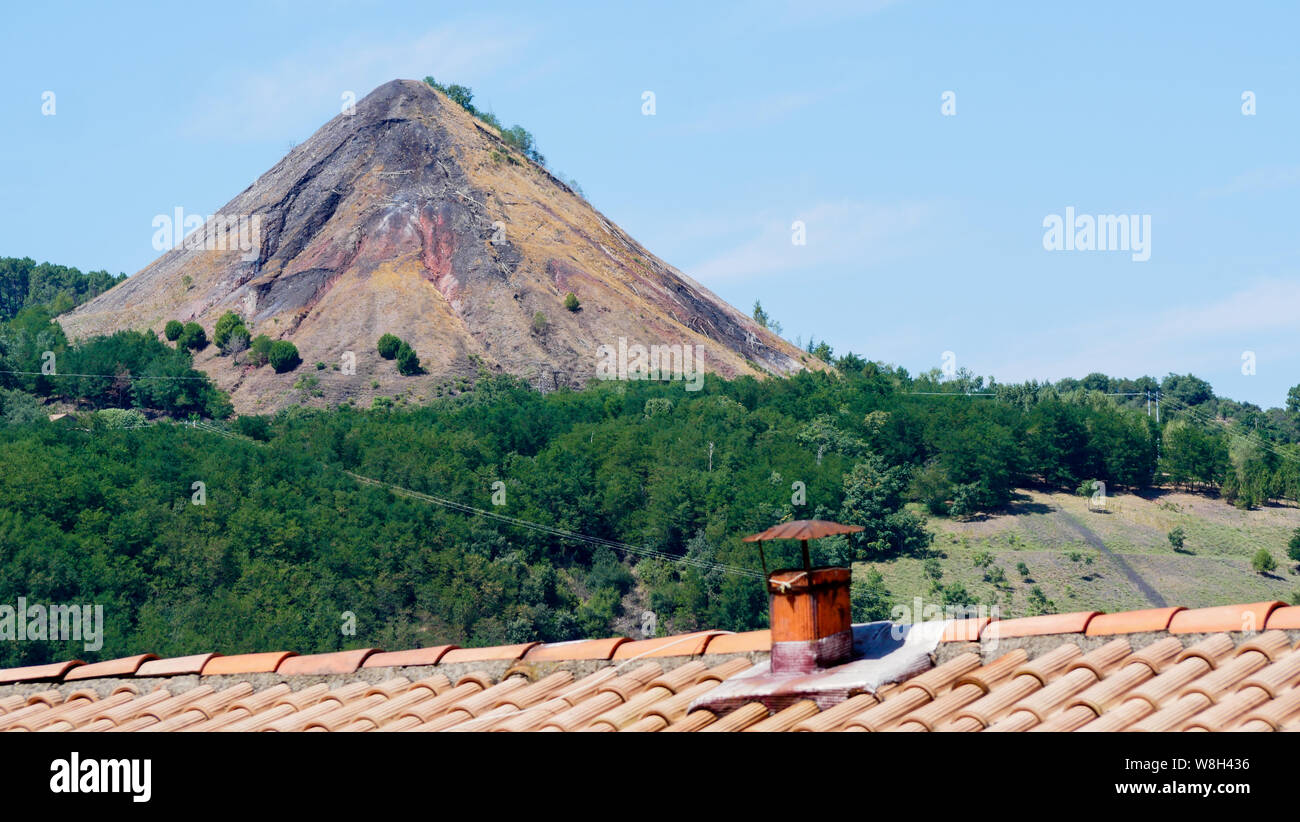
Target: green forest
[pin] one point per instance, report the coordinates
(101, 506)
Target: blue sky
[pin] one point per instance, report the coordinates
(924, 231)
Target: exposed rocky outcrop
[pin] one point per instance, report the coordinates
(411, 217)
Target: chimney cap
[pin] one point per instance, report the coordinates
(803, 529)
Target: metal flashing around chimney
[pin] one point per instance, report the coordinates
(882, 652)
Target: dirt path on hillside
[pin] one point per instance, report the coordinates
(1152, 595)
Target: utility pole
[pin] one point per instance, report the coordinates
(1158, 436)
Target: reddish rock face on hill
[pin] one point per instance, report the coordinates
(412, 217)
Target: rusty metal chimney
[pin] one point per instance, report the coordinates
(811, 611)
(811, 619)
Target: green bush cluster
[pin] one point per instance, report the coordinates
(230, 335)
(517, 137)
(192, 337)
(283, 356)
(392, 347)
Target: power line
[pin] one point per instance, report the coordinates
(105, 376)
(1204, 418)
(547, 529)
(559, 532)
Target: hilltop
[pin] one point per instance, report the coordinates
(413, 217)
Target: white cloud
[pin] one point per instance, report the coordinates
(304, 89)
(1204, 337)
(1260, 179)
(1270, 305)
(843, 233)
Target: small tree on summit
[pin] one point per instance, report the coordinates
(571, 301)
(462, 96)
(516, 136)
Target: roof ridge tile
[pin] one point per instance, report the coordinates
(408, 658)
(332, 662)
(689, 644)
(38, 673)
(125, 666)
(490, 654)
(576, 649)
(265, 662)
(1133, 622)
(1044, 625)
(1248, 617)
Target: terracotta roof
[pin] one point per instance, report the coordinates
(1159, 670)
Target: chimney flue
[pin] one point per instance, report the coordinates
(811, 619)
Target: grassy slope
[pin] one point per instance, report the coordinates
(1214, 568)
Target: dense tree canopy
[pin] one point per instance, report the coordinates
(285, 540)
